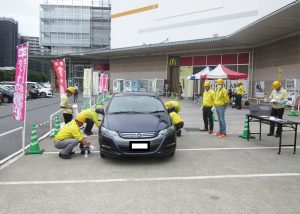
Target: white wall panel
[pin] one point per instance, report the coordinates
(177, 20)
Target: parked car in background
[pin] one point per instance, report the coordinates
(11, 87)
(43, 92)
(45, 84)
(8, 93)
(136, 124)
(1, 97)
(32, 92)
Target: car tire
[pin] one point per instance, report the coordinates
(5, 99)
(172, 154)
(43, 94)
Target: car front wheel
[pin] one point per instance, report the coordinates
(43, 94)
(5, 99)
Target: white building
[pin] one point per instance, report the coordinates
(72, 26)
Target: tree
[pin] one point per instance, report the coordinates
(33, 76)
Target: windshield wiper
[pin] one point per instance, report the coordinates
(126, 112)
(158, 111)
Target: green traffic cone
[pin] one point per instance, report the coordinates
(34, 144)
(293, 113)
(52, 133)
(57, 126)
(246, 133)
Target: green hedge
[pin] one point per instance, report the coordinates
(33, 76)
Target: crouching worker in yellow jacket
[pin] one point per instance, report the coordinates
(91, 117)
(69, 137)
(177, 121)
(174, 104)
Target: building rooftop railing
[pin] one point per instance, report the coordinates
(8, 19)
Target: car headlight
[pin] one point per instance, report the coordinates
(167, 131)
(107, 132)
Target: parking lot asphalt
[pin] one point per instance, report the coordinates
(206, 175)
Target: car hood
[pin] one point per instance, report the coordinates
(136, 122)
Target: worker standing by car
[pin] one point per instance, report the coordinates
(278, 99)
(207, 104)
(176, 120)
(240, 91)
(91, 117)
(64, 103)
(220, 102)
(69, 137)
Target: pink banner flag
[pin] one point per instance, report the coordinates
(105, 81)
(60, 70)
(20, 83)
(101, 84)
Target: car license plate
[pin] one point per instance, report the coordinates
(139, 145)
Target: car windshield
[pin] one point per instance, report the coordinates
(135, 104)
(35, 86)
(42, 85)
(7, 88)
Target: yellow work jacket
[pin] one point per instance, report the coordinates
(175, 118)
(70, 131)
(64, 103)
(92, 115)
(240, 90)
(278, 96)
(208, 98)
(174, 104)
(221, 97)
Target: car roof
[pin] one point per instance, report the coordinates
(122, 94)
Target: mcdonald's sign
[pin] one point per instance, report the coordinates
(174, 61)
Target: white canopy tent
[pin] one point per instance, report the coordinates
(198, 75)
(225, 73)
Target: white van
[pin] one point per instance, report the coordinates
(43, 92)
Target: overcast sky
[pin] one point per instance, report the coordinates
(26, 12)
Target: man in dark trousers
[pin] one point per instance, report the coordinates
(240, 91)
(278, 98)
(66, 106)
(207, 104)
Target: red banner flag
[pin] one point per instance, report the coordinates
(60, 70)
(19, 101)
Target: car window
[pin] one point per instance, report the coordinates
(6, 89)
(135, 104)
(37, 86)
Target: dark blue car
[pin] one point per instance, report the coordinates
(136, 124)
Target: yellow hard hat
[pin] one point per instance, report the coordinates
(71, 89)
(98, 108)
(276, 84)
(220, 81)
(80, 118)
(206, 84)
(240, 82)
